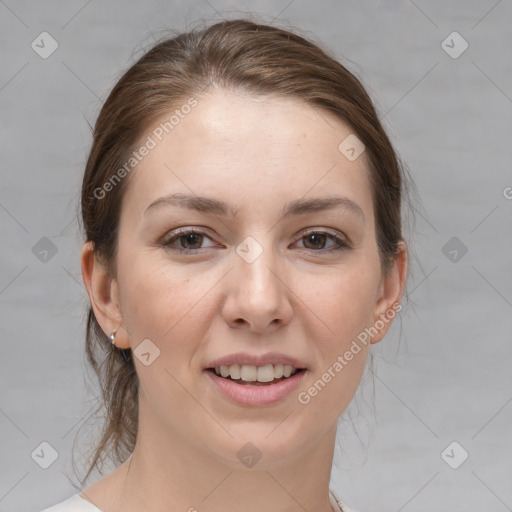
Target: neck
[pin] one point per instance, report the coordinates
(166, 473)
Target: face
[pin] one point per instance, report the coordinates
(201, 284)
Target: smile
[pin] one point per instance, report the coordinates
(255, 386)
(253, 373)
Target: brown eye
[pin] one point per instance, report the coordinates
(191, 241)
(186, 241)
(316, 241)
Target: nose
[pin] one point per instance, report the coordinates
(258, 297)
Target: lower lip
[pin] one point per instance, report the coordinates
(248, 394)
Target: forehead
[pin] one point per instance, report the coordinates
(249, 147)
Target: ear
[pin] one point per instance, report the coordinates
(390, 293)
(104, 296)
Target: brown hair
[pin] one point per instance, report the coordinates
(238, 55)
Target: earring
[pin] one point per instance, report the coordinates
(112, 337)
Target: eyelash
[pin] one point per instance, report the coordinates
(341, 244)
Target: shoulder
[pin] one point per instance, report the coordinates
(73, 504)
(77, 504)
(344, 508)
(336, 501)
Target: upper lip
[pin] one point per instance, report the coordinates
(256, 360)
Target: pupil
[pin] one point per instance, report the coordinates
(192, 239)
(315, 237)
(195, 238)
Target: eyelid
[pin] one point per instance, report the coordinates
(340, 240)
(326, 231)
(175, 234)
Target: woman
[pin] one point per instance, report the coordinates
(242, 212)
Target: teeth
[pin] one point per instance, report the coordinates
(248, 373)
(251, 373)
(234, 371)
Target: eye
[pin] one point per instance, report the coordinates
(188, 241)
(316, 240)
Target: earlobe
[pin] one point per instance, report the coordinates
(104, 295)
(391, 291)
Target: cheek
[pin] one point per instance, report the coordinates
(342, 300)
(163, 302)
(344, 305)
(160, 298)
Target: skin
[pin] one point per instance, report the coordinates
(297, 297)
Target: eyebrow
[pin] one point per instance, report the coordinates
(216, 207)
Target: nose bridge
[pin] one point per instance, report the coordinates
(258, 295)
(257, 263)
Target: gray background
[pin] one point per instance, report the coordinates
(443, 372)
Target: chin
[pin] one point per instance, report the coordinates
(265, 445)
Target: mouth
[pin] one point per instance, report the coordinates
(251, 375)
(256, 386)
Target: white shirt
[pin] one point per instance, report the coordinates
(78, 504)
